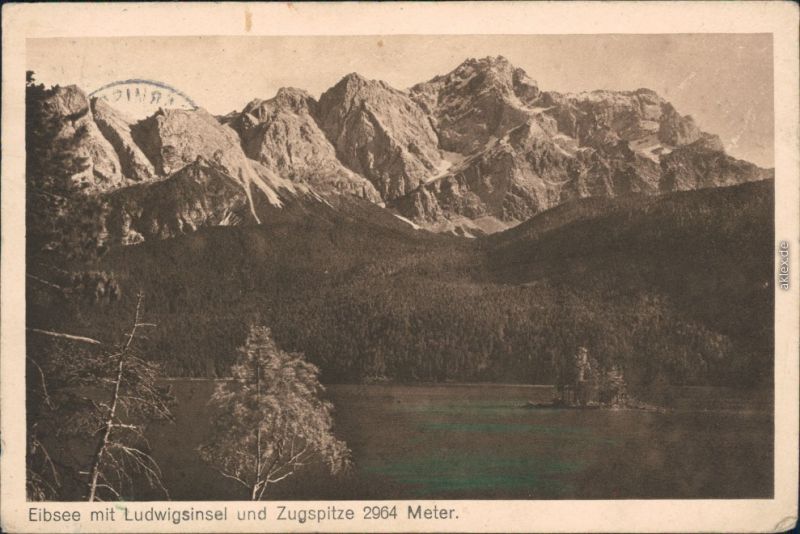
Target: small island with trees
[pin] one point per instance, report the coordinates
(581, 381)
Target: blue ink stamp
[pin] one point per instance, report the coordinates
(138, 98)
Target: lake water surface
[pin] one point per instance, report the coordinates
(478, 442)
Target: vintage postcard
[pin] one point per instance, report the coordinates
(407, 267)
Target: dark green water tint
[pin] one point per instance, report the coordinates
(446, 433)
(478, 442)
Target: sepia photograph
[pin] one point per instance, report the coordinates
(472, 286)
(315, 271)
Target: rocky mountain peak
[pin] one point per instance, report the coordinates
(200, 194)
(287, 98)
(478, 100)
(475, 76)
(498, 63)
(116, 128)
(282, 135)
(353, 78)
(523, 150)
(380, 133)
(356, 89)
(67, 101)
(70, 106)
(174, 138)
(601, 118)
(352, 85)
(294, 97)
(474, 150)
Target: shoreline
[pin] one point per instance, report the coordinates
(464, 384)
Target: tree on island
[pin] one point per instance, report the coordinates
(269, 420)
(582, 380)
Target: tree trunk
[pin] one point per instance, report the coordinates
(112, 412)
(101, 447)
(254, 495)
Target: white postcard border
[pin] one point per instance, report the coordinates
(82, 20)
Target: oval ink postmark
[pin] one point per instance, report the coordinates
(139, 98)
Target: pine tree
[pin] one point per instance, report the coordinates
(62, 223)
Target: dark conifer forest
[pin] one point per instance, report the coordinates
(674, 288)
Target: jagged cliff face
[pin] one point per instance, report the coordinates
(476, 150)
(208, 179)
(598, 117)
(169, 174)
(480, 100)
(282, 134)
(703, 164)
(117, 130)
(200, 194)
(173, 138)
(525, 150)
(104, 170)
(380, 133)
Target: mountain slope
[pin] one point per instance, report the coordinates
(169, 174)
(708, 253)
(282, 134)
(703, 164)
(481, 99)
(71, 106)
(117, 129)
(200, 194)
(526, 150)
(380, 133)
(677, 286)
(474, 151)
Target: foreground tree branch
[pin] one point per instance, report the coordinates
(71, 337)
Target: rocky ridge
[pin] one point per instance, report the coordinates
(473, 151)
(170, 173)
(199, 194)
(527, 150)
(480, 100)
(117, 130)
(380, 133)
(104, 169)
(282, 134)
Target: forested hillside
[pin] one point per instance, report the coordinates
(676, 287)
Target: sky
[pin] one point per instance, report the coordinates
(724, 81)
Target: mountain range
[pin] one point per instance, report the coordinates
(605, 220)
(471, 152)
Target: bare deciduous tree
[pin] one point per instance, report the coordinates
(89, 398)
(269, 420)
(134, 398)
